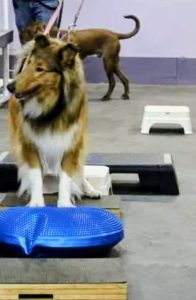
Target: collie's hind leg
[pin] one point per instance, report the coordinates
(89, 191)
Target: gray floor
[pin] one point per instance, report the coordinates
(159, 249)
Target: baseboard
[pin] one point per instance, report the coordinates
(140, 70)
(147, 70)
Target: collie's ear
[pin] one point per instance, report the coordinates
(67, 54)
(41, 40)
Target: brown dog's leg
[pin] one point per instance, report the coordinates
(124, 80)
(109, 69)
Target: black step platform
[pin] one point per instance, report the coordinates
(156, 172)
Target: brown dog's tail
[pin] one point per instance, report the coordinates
(132, 33)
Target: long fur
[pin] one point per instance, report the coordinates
(48, 118)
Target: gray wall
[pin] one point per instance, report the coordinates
(168, 26)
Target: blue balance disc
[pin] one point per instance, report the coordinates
(58, 232)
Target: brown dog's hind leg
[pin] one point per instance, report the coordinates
(109, 69)
(124, 80)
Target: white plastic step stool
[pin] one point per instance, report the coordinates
(99, 177)
(161, 114)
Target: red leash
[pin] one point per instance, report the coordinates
(48, 26)
(56, 15)
(53, 18)
(71, 27)
(78, 13)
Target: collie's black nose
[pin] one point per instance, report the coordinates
(11, 87)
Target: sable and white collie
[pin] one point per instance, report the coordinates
(48, 119)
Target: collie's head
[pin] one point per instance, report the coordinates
(49, 72)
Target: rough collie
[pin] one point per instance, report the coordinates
(48, 119)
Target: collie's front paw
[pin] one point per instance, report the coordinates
(65, 204)
(89, 191)
(36, 203)
(93, 194)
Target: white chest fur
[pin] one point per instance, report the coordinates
(51, 146)
(32, 108)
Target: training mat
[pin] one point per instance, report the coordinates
(58, 232)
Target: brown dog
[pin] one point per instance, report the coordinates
(101, 42)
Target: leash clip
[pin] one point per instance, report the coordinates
(71, 28)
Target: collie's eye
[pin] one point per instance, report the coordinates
(39, 69)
